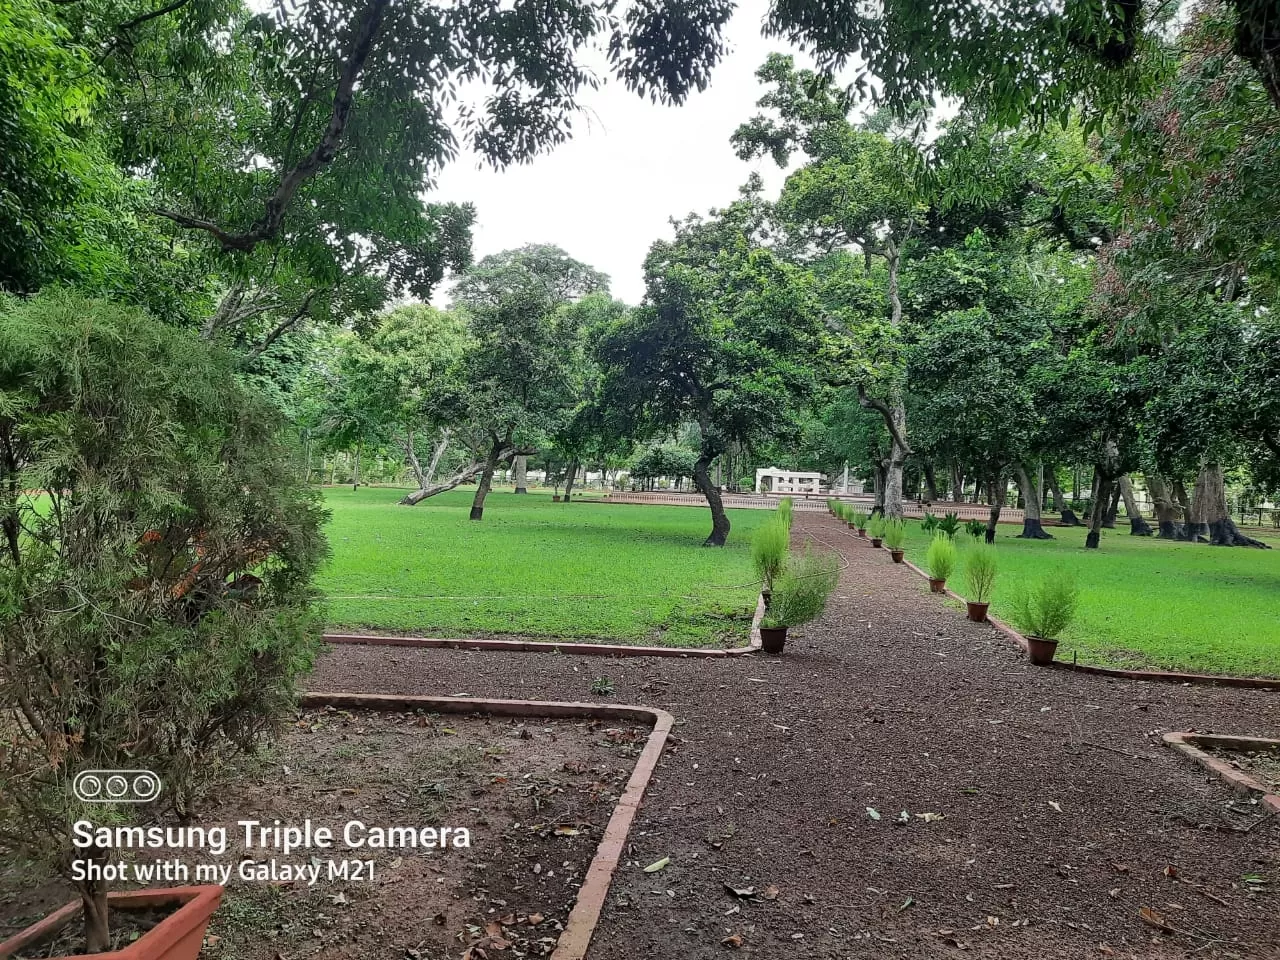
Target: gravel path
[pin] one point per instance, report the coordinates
(1062, 816)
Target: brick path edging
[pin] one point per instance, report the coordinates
(1189, 745)
(578, 928)
(1157, 676)
(548, 646)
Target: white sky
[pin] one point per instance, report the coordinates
(607, 194)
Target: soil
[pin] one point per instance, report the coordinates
(1262, 765)
(535, 795)
(1044, 818)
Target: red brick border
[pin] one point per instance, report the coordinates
(550, 646)
(576, 936)
(1157, 676)
(1189, 744)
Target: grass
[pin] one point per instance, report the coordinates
(534, 568)
(1147, 602)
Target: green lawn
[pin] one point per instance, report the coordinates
(1147, 602)
(635, 574)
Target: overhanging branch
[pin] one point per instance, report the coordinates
(868, 402)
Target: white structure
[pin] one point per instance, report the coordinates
(773, 480)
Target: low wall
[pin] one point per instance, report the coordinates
(811, 502)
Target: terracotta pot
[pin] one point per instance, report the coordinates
(555, 497)
(773, 639)
(178, 936)
(862, 531)
(853, 527)
(897, 555)
(1041, 651)
(977, 611)
(937, 586)
(875, 541)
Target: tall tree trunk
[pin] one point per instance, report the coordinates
(878, 481)
(1105, 472)
(355, 470)
(462, 475)
(437, 453)
(486, 479)
(411, 457)
(569, 478)
(1065, 513)
(520, 471)
(930, 483)
(1210, 504)
(1032, 528)
(1093, 496)
(1113, 507)
(996, 483)
(93, 899)
(1192, 529)
(957, 483)
(976, 497)
(702, 480)
(1138, 526)
(1167, 524)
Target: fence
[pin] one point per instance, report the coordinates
(813, 503)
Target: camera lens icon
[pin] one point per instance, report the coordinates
(116, 786)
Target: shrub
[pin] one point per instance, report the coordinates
(980, 571)
(859, 518)
(895, 534)
(1046, 609)
(940, 557)
(155, 607)
(929, 523)
(769, 550)
(975, 528)
(801, 593)
(875, 525)
(785, 506)
(950, 524)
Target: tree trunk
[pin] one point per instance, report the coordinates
(569, 478)
(930, 483)
(957, 483)
(1066, 514)
(1032, 528)
(878, 482)
(411, 458)
(702, 480)
(466, 473)
(1138, 526)
(93, 899)
(1167, 524)
(1210, 504)
(1113, 507)
(355, 470)
(977, 490)
(993, 517)
(1105, 471)
(1192, 530)
(486, 479)
(520, 471)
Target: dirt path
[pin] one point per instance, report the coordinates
(1062, 816)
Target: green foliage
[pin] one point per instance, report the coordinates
(949, 525)
(1047, 607)
(860, 518)
(801, 593)
(875, 526)
(980, 571)
(155, 600)
(930, 523)
(769, 546)
(940, 557)
(975, 528)
(895, 533)
(663, 460)
(785, 507)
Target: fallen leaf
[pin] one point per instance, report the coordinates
(910, 901)
(657, 865)
(1056, 805)
(740, 891)
(930, 817)
(564, 830)
(1171, 872)
(1153, 919)
(733, 941)
(535, 919)
(771, 892)
(873, 813)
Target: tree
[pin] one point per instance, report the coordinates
(723, 339)
(519, 372)
(155, 600)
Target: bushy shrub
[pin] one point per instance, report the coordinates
(950, 524)
(1047, 608)
(801, 593)
(875, 526)
(895, 534)
(785, 506)
(940, 557)
(155, 597)
(975, 528)
(980, 571)
(929, 523)
(859, 518)
(769, 547)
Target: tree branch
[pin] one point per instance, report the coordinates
(871, 403)
(284, 326)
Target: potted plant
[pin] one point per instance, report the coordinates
(875, 527)
(859, 518)
(800, 594)
(980, 575)
(769, 553)
(895, 535)
(939, 561)
(157, 608)
(1042, 612)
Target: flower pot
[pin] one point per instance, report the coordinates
(853, 526)
(862, 531)
(937, 586)
(555, 497)
(875, 541)
(897, 555)
(773, 639)
(977, 611)
(178, 936)
(1041, 651)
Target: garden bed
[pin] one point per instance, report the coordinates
(1249, 765)
(535, 794)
